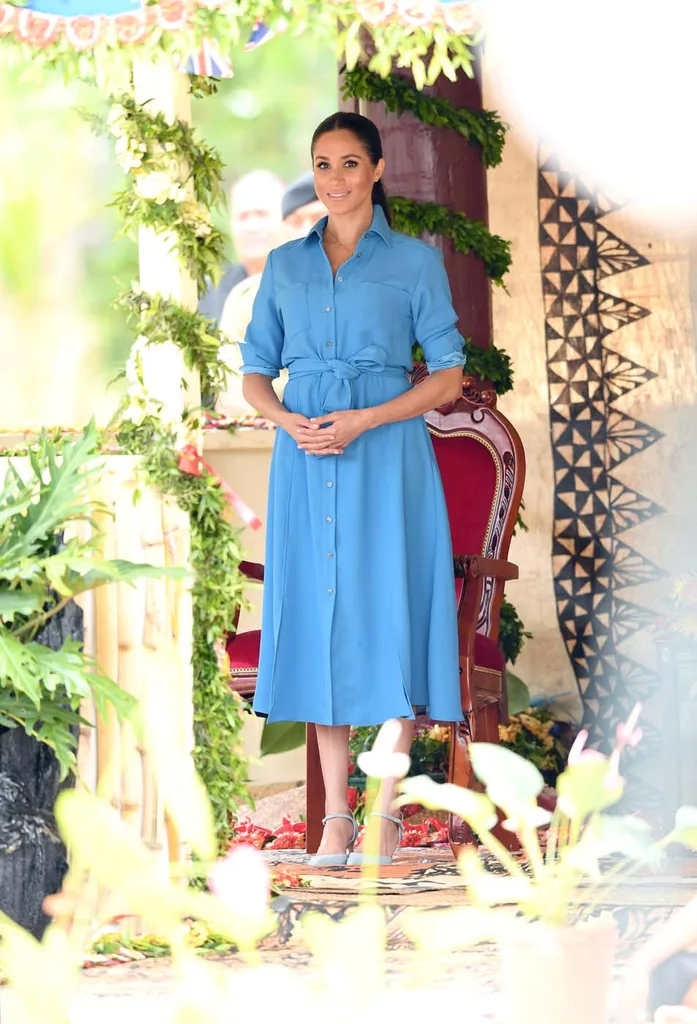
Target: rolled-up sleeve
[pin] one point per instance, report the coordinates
(263, 341)
(434, 316)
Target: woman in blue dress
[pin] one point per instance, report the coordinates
(359, 621)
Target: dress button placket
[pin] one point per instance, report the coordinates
(330, 464)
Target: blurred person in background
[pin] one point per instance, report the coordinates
(256, 228)
(301, 209)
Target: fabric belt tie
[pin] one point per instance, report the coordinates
(339, 395)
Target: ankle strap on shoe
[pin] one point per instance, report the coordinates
(345, 817)
(389, 817)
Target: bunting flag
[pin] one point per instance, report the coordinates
(208, 61)
(260, 34)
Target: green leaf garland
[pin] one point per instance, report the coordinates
(414, 218)
(218, 588)
(198, 338)
(483, 127)
(173, 181)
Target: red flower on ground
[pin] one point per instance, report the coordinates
(352, 794)
(247, 833)
(284, 878)
(287, 841)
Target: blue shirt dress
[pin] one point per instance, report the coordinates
(359, 622)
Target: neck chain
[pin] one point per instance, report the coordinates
(336, 238)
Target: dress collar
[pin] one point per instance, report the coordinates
(379, 226)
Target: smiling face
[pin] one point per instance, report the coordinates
(344, 172)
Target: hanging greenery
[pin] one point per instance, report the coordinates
(173, 182)
(491, 364)
(512, 632)
(414, 218)
(217, 592)
(437, 38)
(198, 338)
(483, 127)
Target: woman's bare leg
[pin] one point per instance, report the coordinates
(389, 833)
(333, 745)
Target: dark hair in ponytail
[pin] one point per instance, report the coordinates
(369, 137)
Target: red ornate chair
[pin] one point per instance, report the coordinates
(482, 465)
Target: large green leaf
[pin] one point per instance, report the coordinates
(18, 667)
(56, 492)
(517, 692)
(512, 783)
(280, 737)
(474, 808)
(588, 786)
(18, 602)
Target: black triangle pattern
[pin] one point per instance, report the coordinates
(628, 618)
(615, 255)
(593, 566)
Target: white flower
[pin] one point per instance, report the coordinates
(114, 118)
(170, 147)
(383, 761)
(155, 186)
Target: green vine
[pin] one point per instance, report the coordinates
(217, 592)
(512, 632)
(414, 218)
(491, 364)
(483, 127)
(173, 181)
(162, 320)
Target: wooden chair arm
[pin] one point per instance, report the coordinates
(254, 570)
(474, 566)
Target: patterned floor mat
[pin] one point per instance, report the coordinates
(429, 880)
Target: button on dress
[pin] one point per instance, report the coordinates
(359, 621)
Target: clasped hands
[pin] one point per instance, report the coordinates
(328, 434)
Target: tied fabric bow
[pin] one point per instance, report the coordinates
(192, 462)
(338, 397)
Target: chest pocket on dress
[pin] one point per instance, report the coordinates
(385, 310)
(295, 310)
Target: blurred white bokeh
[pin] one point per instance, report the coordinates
(611, 85)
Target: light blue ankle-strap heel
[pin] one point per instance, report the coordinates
(367, 858)
(332, 860)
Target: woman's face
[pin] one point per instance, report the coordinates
(344, 173)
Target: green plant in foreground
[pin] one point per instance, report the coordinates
(42, 569)
(569, 872)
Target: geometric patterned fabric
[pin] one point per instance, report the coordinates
(594, 562)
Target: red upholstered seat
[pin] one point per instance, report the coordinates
(468, 470)
(243, 652)
(487, 653)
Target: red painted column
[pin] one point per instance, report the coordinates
(438, 164)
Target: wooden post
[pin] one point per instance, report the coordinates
(427, 163)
